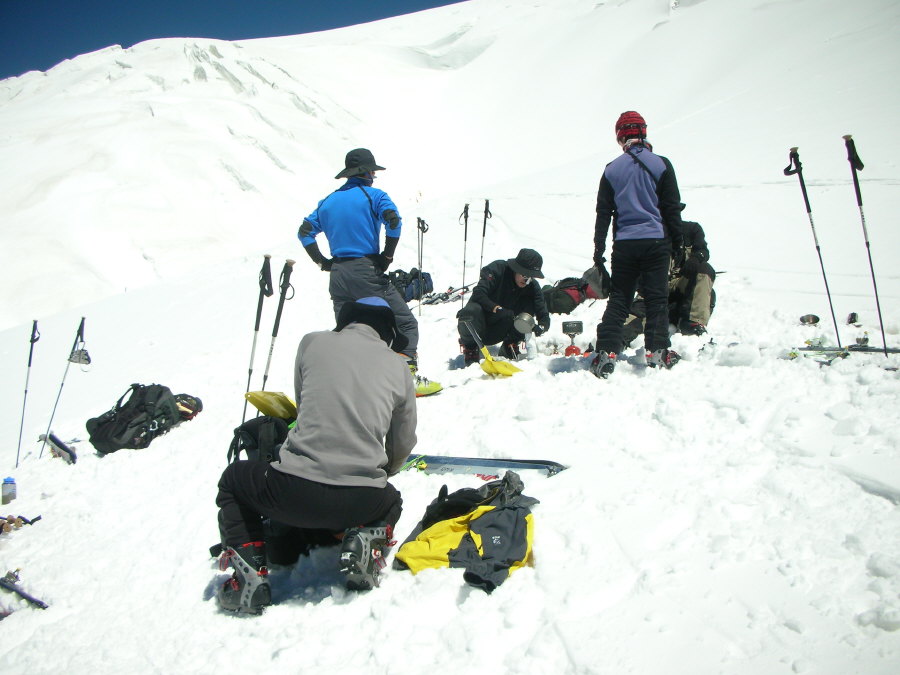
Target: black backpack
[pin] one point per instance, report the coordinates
(413, 284)
(259, 438)
(150, 411)
(558, 301)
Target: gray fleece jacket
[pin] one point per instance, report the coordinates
(356, 410)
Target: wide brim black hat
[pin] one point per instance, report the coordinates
(528, 263)
(357, 162)
(374, 312)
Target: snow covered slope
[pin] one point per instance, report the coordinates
(738, 514)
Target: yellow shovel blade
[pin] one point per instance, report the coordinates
(273, 404)
(492, 367)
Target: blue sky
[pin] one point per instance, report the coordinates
(38, 34)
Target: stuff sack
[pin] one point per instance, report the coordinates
(487, 531)
(563, 296)
(260, 439)
(149, 411)
(413, 284)
(566, 294)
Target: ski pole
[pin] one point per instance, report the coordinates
(35, 336)
(284, 283)
(855, 166)
(78, 355)
(795, 167)
(487, 214)
(422, 229)
(464, 217)
(265, 290)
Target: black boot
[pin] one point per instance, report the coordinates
(248, 589)
(362, 556)
(510, 350)
(471, 353)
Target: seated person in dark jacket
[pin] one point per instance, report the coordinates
(506, 289)
(691, 295)
(692, 288)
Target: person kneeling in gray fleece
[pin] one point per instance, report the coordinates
(356, 425)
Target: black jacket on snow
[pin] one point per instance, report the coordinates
(497, 286)
(695, 240)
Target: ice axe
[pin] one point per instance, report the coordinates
(489, 365)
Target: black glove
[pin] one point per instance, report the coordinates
(599, 260)
(382, 262)
(605, 281)
(542, 327)
(504, 314)
(326, 264)
(690, 267)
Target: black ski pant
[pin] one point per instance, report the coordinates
(250, 491)
(489, 327)
(635, 262)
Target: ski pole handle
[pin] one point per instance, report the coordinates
(285, 284)
(265, 277)
(852, 157)
(855, 165)
(794, 165)
(422, 225)
(35, 336)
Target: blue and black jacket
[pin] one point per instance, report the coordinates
(351, 218)
(639, 194)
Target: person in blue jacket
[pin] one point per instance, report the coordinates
(639, 194)
(351, 218)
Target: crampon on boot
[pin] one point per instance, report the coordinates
(363, 553)
(603, 364)
(424, 386)
(663, 358)
(248, 589)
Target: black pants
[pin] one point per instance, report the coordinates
(250, 491)
(489, 327)
(643, 262)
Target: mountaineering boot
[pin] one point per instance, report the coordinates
(471, 354)
(603, 364)
(691, 328)
(424, 386)
(510, 350)
(663, 358)
(362, 555)
(248, 589)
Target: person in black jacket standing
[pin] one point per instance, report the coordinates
(639, 194)
(505, 289)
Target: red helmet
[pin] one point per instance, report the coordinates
(630, 125)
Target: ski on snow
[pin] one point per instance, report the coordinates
(10, 582)
(484, 467)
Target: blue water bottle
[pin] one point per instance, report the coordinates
(9, 490)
